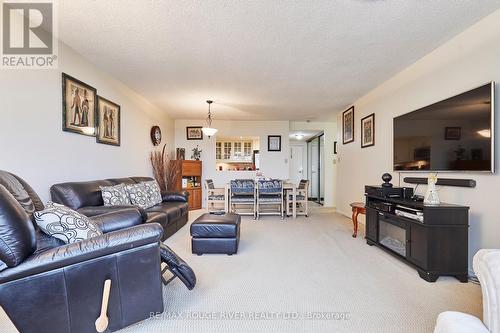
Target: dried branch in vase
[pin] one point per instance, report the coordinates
(165, 172)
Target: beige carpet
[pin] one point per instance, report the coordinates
(286, 272)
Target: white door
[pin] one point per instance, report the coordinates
(296, 164)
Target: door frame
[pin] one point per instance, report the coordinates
(318, 136)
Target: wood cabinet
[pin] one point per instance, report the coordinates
(189, 179)
(436, 245)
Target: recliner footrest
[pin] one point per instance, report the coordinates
(178, 267)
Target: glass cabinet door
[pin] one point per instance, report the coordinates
(247, 149)
(227, 150)
(218, 150)
(237, 149)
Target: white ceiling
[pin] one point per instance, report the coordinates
(283, 60)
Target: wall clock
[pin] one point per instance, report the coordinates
(156, 135)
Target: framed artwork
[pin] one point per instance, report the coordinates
(78, 106)
(452, 133)
(155, 135)
(194, 133)
(368, 131)
(274, 142)
(180, 154)
(348, 125)
(108, 122)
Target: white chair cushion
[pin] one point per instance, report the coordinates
(458, 322)
(487, 268)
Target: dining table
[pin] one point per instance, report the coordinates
(289, 188)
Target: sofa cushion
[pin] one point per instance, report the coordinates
(153, 191)
(115, 195)
(117, 220)
(91, 211)
(17, 233)
(21, 191)
(159, 217)
(182, 206)
(66, 224)
(175, 196)
(172, 209)
(138, 195)
(125, 180)
(79, 194)
(141, 179)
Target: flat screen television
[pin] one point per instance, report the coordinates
(456, 134)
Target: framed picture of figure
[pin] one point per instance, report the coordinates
(274, 143)
(348, 125)
(368, 131)
(194, 133)
(78, 106)
(108, 122)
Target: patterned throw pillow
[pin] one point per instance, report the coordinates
(115, 195)
(64, 223)
(153, 192)
(138, 195)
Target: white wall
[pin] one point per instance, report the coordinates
(33, 145)
(330, 130)
(272, 164)
(467, 61)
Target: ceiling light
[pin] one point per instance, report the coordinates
(485, 133)
(299, 136)
(209, 130)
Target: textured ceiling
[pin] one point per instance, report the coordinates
(260, 60)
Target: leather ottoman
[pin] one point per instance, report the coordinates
(215, 234)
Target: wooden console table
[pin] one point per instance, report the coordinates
(357, 208)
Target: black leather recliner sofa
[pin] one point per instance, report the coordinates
(49, 286)
(86, 198)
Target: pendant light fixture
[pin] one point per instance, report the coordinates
(208, 130)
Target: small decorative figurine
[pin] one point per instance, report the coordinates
(431, 196)
(386, 177)
(196, 153)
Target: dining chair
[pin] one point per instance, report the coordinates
(270, 194)
(242, 195)
(301, 199)
(216, 197)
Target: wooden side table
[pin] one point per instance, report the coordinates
(357, 208)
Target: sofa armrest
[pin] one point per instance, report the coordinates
(88, 249)
(175, 196)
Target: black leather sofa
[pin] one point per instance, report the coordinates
(86, 198)
(49, 286)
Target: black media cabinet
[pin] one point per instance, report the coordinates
(436, 245)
